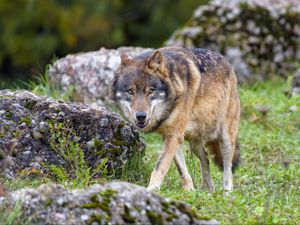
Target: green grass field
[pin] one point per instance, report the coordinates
(266, 184)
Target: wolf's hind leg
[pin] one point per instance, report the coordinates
(198, 150)
(185, 178)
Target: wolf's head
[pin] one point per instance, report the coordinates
(141, 90)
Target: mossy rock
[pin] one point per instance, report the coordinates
(44, 132)
(112, 203)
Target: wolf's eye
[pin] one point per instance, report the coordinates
(130, 91)
(151, 90)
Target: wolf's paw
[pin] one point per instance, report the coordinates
(228, 189)
(208, 185)
(188, 186)
(227, 182)
(227, 192)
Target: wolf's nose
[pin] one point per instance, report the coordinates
(141, 116)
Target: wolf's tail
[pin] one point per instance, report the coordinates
(215, 150)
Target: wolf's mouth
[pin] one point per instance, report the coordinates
(141, 125)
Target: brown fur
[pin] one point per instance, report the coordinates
(202, 106)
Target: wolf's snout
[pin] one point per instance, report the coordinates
(141, 116)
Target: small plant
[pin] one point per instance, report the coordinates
(136, 170)
(64, 141)
(13, 215)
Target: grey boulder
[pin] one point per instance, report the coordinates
(260, 38)
(90, 74)
(36, 131)
(113, 203)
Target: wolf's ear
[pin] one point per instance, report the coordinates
(156, 61)
(125, 60)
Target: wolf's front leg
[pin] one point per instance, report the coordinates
(171, 144)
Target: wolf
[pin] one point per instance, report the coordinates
(183, 94)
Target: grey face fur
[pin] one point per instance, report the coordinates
(142, 98)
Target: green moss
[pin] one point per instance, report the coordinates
(154, 218)
(99, 218)
(165, 204)
(127, 217)
(118, 142)
(184, 208)
(2, 135)
(26, 120)
(98, 144)
(7, 97)
(118, 134)
(187, 209)
(95, 218)
(91, 205)
(171, 217)
(166, 207)
(30, 103)
(108, 193)
(2, 155)
(104, 204)
(16, 133)
(114, 151)
(8, 114)
(122, 124)
(48, 202)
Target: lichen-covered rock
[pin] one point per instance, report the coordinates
(90, 73)
(113, 203)
(37, 131)
(259, 37)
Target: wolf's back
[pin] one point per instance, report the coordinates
(209, 61)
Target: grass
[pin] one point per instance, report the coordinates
(41, 86)
(266, 185)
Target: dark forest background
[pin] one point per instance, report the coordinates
(35, 32)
